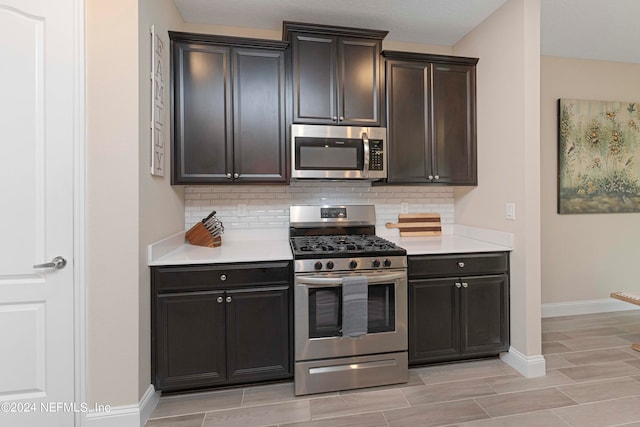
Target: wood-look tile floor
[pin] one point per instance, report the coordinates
(593, 380)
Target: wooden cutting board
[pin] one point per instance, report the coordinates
(418, 224)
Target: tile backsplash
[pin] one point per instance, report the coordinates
(267, 206)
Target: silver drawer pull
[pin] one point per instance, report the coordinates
(465, 285)
(458, 285)
(228, 299)
(223, 277)
(460, 264)
(219, 300)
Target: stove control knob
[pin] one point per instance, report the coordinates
(387, 262)
(317, 265)
(375, 263)
(353, 263)
(330, 265)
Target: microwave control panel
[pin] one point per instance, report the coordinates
(376, 155)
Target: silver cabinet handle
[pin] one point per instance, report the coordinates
(460, 264)
(465, 285)
(458, 285)
(334, 118)
(219, 300)
(58, 263)
(223, 277)
(437, 177)
(229, 176)
(236, 175)
(228, 299)
(430, 177)
(341, 118)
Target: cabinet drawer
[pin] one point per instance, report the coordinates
(458, 264)
(195, 277)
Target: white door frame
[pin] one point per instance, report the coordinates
(79, 211)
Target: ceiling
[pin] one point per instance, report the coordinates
(590, 29)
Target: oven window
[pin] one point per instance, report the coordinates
(325, 310)
(329, 154)
(382, 308)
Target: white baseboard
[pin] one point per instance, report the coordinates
(528, 366)
(571, 308)
(126, 415)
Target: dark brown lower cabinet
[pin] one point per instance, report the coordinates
(222, 335)
(456, 316)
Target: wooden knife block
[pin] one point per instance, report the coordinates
(200, 236)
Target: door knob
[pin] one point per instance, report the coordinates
(228, 176)
(236, 175)
(57, 263)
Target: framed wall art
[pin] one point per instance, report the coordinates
(598, 156)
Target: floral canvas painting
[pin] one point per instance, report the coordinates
(598, 156)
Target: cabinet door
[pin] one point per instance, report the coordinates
(408, 117)
(359, 82)
(485, 314)
(202, 135)
(258, 112)
(454, 127)
(314, 78)
(189, 340)
(258, 335)
(434, 329)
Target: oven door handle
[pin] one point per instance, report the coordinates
(337, 281)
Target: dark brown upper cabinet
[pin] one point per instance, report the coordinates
(228, 110)
(431, 118)
(335, 74)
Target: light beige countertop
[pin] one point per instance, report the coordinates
(237, 246)
(454, 239)
(273, 245)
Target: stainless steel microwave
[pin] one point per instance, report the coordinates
(338, 152)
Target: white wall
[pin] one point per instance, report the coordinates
(508, 45)
(161, 206)
(112, 201)
(126, 208)
(587, 256)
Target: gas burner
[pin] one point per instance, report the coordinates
(343, 246)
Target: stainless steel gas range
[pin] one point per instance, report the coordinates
(350, 300)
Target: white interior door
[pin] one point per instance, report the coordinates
(38, 118)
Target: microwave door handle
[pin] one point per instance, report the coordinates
(336, 281)
(365, 143)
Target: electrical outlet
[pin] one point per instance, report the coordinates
(510, 211)
(242, 209)
(404, 207)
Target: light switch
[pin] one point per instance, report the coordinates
(510, 211)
